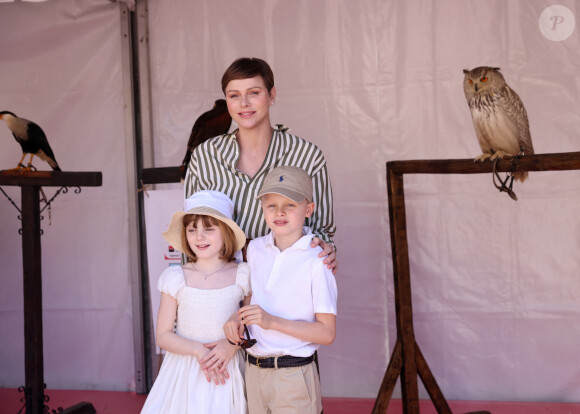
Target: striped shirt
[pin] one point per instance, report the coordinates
(213, 167)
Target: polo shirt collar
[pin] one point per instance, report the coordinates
(302, 243)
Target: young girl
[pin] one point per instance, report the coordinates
(201, 370)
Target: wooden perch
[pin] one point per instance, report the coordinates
(51, 178)
(407, 361)
(161, 175)
(539, 162)
(30, 183)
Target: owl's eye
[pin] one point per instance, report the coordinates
(484, 79)
(470, 81)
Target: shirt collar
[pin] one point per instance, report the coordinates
(302, 243)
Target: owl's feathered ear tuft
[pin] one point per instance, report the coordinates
(465, 70)
(495, 68)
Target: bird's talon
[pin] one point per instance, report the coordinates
(499, 155)
(482, 157)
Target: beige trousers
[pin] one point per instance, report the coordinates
(293, 390)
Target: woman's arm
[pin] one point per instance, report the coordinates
(190, 182)
(322, 220)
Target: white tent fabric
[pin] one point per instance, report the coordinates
(496, 296)
(61, 67)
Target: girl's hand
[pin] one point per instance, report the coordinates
(214, 376)
(255, 315)
(233, 329)
(217, 377)
(328, 252)
(220, 352)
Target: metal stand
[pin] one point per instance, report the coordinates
(30, 184)
(407, 361)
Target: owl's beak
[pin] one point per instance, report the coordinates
(476, 87)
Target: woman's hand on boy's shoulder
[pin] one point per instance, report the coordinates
(328, 252)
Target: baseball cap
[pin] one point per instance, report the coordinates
(291, 182)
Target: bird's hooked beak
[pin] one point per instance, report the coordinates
(476, 87)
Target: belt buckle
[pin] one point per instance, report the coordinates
(258, 361)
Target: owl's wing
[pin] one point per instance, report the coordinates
(516, 111)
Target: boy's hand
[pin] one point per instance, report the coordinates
(233, 329)
(328, 252)
(255, 315)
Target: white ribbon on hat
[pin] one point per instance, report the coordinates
(212, 199)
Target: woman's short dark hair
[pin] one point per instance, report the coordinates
(244, 68)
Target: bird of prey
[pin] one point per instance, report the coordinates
(31, 138)
(499, 116)
(216, 121)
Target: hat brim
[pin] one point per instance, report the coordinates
(292, 195)
(173, 233)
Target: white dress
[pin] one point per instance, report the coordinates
(181, 386)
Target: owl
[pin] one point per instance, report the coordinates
(499, 117)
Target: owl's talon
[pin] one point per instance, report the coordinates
(482, 157)
(499, 154)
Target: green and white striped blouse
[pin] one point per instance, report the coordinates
(213, 167)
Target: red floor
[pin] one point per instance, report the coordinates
(106, 402)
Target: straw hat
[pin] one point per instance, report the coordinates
(209, 203)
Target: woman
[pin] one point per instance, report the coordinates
(237, 163)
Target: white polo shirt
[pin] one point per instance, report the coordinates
(294, 284)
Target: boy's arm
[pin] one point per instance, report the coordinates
(322, 332)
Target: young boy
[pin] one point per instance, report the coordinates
(293, 307)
